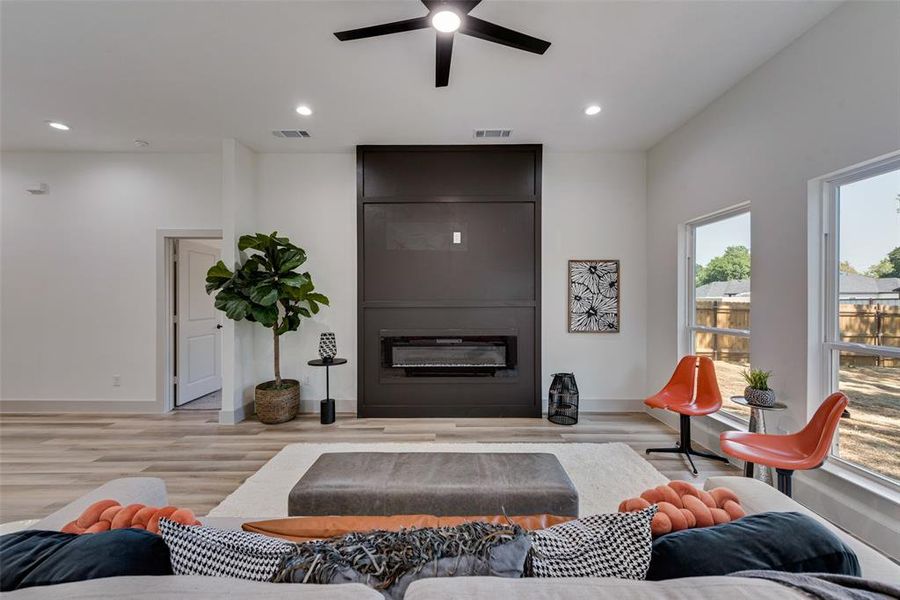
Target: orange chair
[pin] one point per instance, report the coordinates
(679, 396)
(806, 449)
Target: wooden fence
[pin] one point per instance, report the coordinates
(875, 324)
(729, 315)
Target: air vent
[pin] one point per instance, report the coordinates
(492, 133)
(290, 133)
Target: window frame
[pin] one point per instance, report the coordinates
(689, 317)
(831, 343)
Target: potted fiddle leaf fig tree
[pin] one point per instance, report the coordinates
(267, 289)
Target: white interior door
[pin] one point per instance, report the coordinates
(198, 341)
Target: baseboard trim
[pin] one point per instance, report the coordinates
(585, 405)
(79, 406)
(312, 406)
(233, 417)
(606, 405)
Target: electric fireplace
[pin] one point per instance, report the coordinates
(448, 354)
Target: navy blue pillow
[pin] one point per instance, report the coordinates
(46, 557)
(772, 541)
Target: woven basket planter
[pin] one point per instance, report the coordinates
(277, 405)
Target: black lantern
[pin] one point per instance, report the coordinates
(562, 408)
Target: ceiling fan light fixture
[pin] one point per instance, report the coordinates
(447, 17)
(446, 21)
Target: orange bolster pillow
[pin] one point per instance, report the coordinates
(104, 515)
(304, 529)
(683, 506)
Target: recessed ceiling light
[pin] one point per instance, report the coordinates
(58, 125)
(446, 21)
(592, 110)
(304, 110)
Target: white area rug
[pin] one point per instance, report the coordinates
(603, 474)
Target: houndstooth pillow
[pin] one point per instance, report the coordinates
(609, 545)
(198, 550)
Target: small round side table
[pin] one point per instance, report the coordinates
(758, 425)
(326, 410)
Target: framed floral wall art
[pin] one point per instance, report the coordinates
(594, 296)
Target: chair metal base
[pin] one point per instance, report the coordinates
(784, 481)
(785, 478)
(684, 445)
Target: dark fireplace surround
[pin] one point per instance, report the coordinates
(449, 280)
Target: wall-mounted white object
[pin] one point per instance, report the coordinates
(38, 188)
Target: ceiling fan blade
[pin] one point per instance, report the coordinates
(385, 29)
(501, 35)
(442, 54)
(463, 6)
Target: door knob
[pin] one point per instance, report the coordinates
(219, 326)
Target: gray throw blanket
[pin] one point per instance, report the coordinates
(825, 586)
(391, 560)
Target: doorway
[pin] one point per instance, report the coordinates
(190, 334)
(197, 348)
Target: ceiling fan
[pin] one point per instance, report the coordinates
(447, 17)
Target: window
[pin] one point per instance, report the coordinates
(862, 313)
(718, 303)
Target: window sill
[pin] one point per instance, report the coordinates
(870, 482)
(730, 421)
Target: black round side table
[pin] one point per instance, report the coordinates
(326, 410)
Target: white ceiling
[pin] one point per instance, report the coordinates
(184, 75)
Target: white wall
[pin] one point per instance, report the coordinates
(238, 205)
(594, 206)
(311, 198)
(79, 271)
(94, 238)
(828, 101)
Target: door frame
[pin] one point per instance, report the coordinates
(165, 306)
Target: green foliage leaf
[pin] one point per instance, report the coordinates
(234, 306)
(733, 264)
(217, 276)
(889, 266)
(291, 322)
(317, 297)
(290, 258)
(267, 316)
(757, 378)
(265, 294)
(254, 242)
(294, 280)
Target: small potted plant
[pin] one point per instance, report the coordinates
(266, 289)
(758, 391)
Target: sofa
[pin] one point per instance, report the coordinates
(755, 497)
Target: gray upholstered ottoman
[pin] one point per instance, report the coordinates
(434, 483)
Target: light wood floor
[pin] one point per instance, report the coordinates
(47, 460)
